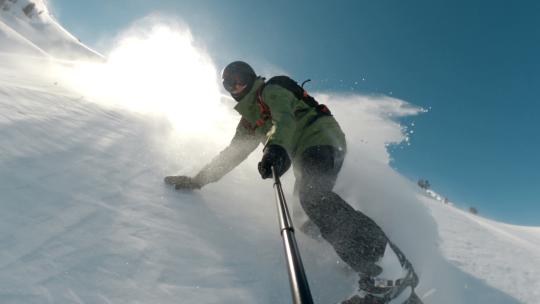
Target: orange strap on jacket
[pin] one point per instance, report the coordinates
(263, 108)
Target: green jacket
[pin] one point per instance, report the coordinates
(294, 125)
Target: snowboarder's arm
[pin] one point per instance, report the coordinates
(243, 143)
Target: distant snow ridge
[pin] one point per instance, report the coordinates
(33, 10)
(27, 27)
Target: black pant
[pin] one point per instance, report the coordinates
(356, 238)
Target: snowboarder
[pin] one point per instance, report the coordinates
(296, 129)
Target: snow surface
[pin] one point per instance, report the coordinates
(505, 256)
(86, 217)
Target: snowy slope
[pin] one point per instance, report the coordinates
(86, 218)
(29, 23)
(15, 43)
(505, 256)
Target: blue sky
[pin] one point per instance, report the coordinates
(473, 64)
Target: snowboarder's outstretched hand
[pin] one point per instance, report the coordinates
(277, 157)
(183, 182)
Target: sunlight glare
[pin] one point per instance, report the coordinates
(156, 69)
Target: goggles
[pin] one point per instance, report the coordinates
(230, 83)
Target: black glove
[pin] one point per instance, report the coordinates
(183, 182)
(277, 157)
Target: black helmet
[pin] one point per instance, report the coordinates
(238, 72)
